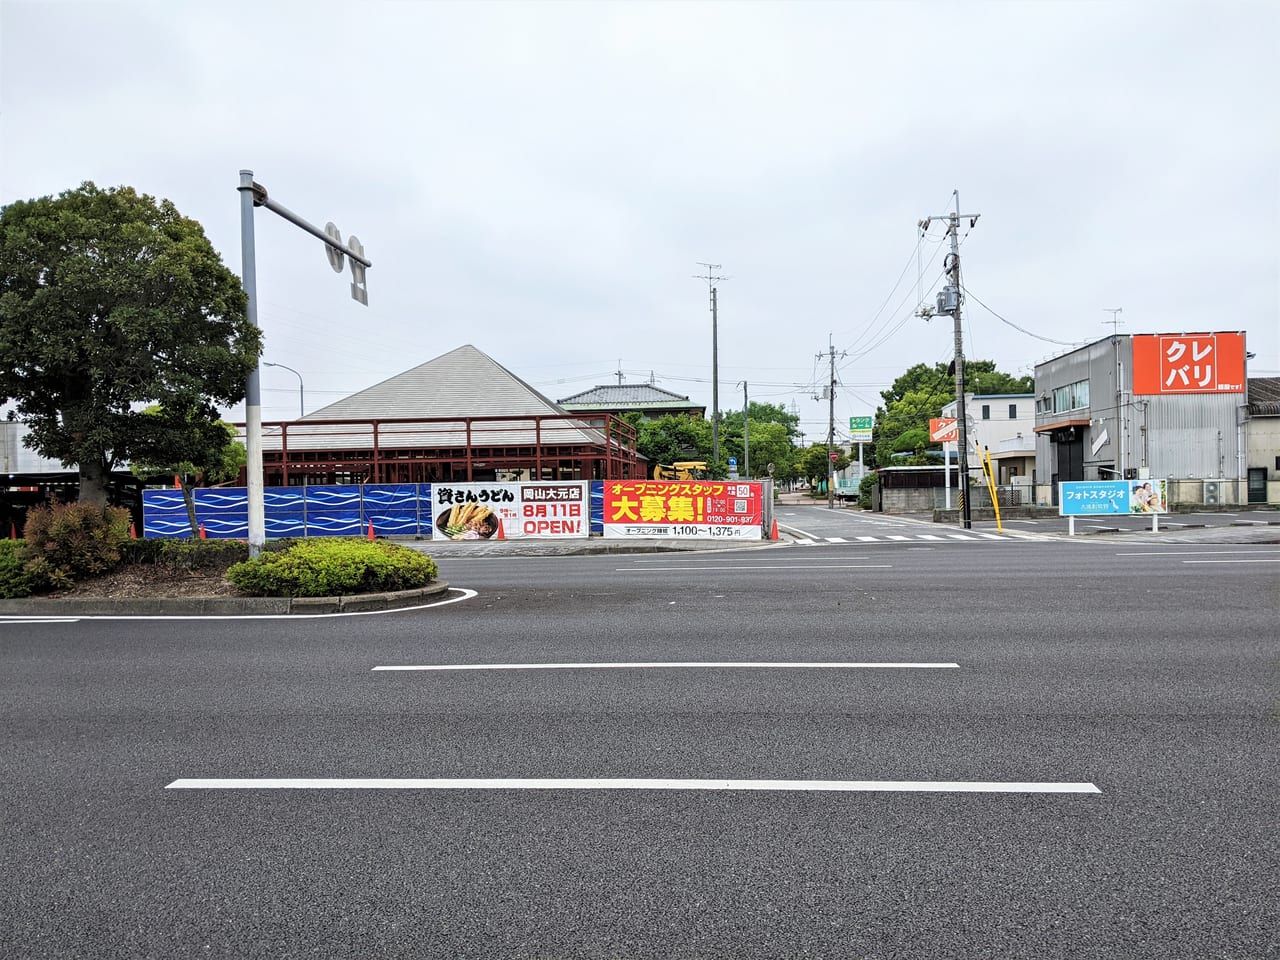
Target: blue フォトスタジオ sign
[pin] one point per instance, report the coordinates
(1085, 497)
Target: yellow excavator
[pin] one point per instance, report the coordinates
(684, 470)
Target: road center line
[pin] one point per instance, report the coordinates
(629, 783)
(1262, 560)
(679, 665)
(780, 566)
(1200, 553)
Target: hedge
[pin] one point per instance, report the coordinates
(330, 567)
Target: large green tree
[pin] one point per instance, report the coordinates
(674, 437)
(920, 393)
(111, 301)
(771, 432)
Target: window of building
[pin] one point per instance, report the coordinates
(1073, 396)
(1013, 411)
(986, 411)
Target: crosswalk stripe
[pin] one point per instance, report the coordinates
(958, 536)
(894, 536)
(869, 539)
(836, 540)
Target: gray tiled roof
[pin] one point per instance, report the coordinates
(1264, 396)
(462, 383)
(1264, 389)
(627, 395)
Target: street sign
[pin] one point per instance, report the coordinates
(834, 456)
(733, 461)
(943, 430)
(860, 428)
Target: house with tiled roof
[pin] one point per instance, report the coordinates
(644, 398)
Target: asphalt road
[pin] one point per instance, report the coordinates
(1146, 670)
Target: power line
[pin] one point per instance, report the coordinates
(1062, 343)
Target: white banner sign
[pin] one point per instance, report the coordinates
(507, 511)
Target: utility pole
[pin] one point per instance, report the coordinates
(948, 302)
(746, 446)
(1115, 322)
(830, 393)
(712, 280)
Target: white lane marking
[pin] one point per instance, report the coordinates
(958, 536)
(666, 560)
(627, 783)
(807, 543)
(928, 536)
(893, 536)
(1262, 560)
(679, 665)
(15, 620)
(989, 536)
(467, 594)
(869, 539)
(783, 566)
(1198, 553)
(836, 540)
(803, 533)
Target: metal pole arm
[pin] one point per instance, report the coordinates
(311, 228)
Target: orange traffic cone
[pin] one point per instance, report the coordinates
(13, 531)
(177, 483)
(133, 532)
(501, 533)
(773, 534)
(370, 534)
(203, 535)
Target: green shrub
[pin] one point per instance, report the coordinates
(865, 488)
(15, 581)
(139, 552)
(67, 542)
(182, 555)
(333, 567)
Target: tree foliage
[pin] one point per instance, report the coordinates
(920, 393)
(815, 464)
(182, 444)
(109, 301)
(674, 437)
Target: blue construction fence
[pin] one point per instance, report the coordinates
(394, 509)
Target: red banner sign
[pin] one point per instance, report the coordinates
(1188, 363)
(675, 508)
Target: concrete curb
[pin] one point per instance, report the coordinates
(220, 606)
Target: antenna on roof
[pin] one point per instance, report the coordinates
(619, 371)
(652, 382)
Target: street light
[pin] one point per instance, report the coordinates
(301, 406)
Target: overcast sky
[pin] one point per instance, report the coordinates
(541, 179)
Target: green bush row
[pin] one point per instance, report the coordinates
(333, 567)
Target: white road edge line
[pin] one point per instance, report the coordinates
(17, 620)
(678, 665)
(629, 783)
(467, 594)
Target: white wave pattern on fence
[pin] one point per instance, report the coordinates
(328, 511)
